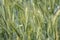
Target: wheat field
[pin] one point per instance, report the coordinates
(29, 19)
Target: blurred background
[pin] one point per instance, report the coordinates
(29, 19)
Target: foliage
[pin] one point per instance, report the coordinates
(29, 19)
